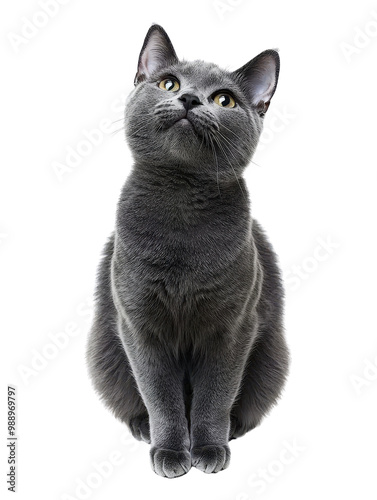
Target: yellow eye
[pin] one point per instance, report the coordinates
(224, 100)
(169, 84)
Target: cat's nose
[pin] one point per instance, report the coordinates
(190, 101)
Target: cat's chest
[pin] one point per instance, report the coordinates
(181, 234)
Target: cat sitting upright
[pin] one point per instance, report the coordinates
(187, 346)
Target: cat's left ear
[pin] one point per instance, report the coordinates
(259, 78)
(157, 52)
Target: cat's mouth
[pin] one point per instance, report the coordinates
(202, 122)
(185, 121)
(192, 122)
(185, 125)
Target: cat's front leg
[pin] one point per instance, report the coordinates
(215, 383)
(160, 382)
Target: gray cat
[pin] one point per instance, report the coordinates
(187, 346)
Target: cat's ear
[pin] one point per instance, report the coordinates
(259, 78)
(157, 52)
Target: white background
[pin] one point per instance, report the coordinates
(314, 181)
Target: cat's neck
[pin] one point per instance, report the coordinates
(182, 178)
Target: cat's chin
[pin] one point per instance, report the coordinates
(184, 123)
(184, 142)
(184, 129)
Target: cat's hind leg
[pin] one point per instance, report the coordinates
(108, 364)
(263, 380)
(113, 380)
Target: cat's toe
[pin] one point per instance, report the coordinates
(210, 458)
(140, 428)
(170, 463)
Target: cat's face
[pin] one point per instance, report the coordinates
(195, 115)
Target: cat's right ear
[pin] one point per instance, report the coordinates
(157, 52)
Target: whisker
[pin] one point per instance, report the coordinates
(139, 129)
(231, 131)
(217, 164)
(116, 121)
(116, 131)
(227, 147)
(230, 164)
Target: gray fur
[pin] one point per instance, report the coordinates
(187, 345)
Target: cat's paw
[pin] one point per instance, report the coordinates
(210, 458)
(170, 463)
(140, 428)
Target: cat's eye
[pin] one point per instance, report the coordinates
(169, 84)
(224, 100)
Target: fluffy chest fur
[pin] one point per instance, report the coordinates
(184, 257)
(182, 227)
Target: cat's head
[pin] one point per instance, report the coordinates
(195, 115)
